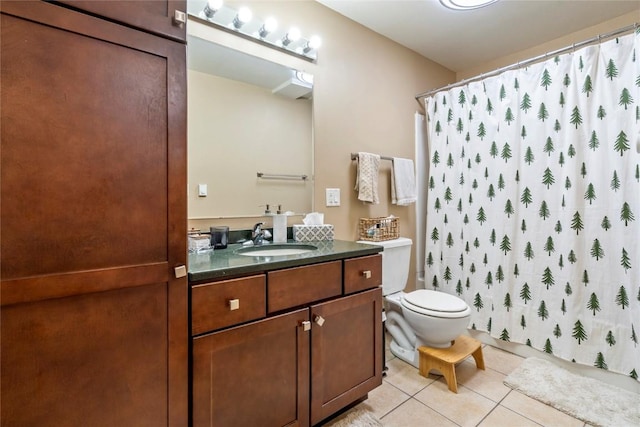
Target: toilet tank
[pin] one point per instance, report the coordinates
(395, 263)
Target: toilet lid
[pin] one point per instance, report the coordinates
(436, 301)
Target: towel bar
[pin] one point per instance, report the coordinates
(355, 156)
(281, 176)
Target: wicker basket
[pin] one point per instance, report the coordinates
(379, 229)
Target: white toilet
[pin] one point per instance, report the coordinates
(421, 317)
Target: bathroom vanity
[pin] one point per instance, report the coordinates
(284, 340)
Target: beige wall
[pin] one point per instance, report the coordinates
(236, 130)
(559, 43)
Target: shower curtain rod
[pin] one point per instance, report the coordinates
(533, 60)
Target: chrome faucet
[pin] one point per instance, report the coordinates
(258, 234)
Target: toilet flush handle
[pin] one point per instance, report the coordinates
(367, 274)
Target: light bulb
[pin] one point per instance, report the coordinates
(292, 36)
(244, 15)
(269, 26)
(313, 44)
(211, 8)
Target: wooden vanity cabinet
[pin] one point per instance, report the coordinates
(94, 321)
(295, 367)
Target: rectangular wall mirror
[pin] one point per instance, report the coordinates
(246, 115)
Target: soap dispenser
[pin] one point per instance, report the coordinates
(279, 226)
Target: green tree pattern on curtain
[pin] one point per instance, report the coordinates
(544, 234)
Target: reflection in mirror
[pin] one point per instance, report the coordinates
(246, 115)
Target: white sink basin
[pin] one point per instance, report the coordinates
(276, 250)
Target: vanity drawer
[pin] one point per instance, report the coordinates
(297, 286)
(228, 302)
(362, 273)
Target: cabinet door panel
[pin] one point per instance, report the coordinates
(97, 359)
(155, 16)
(253, 375)
(93, 219)
(346, 352)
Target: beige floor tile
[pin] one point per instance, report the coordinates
(406, 377)
(503, 417)
(499, 360)
(415, 414)
(486, 382)
(465, 408)
(384, 399)
(538, 412)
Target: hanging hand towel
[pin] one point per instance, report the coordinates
(403, 182)
(367, 177)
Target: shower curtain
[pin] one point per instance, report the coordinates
(534, 204)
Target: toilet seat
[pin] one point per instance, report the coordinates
(435, 304)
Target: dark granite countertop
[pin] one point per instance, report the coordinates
(222, 263)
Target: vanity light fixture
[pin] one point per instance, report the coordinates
(242, 23)
(466, 4)
(269, 26)
(243, 16)
(211, 7)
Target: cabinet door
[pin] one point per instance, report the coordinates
(155, 16)
(346, 351)
(253, 375)
(93, 175)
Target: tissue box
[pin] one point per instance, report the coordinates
(308, 233)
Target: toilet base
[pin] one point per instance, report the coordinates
(410, 356)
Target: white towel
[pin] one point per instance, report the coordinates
(367, 177)
(403, 182)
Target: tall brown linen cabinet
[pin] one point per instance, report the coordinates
(93, 214)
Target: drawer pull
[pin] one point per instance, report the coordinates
(318, 319)
(306, 325)
(234, 304)
(367, 274)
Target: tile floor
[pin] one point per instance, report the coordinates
(406, 399)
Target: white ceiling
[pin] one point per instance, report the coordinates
(460, 40)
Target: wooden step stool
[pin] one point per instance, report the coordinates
(445, 359)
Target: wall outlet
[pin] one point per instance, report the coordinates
(333, 197)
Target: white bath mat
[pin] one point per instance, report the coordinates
(356, 418)
(587, 399)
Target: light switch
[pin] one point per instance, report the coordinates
(333, 197)
(202, 190)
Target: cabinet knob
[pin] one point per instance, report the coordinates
(234, 304)
(180, 271)
(179, 18)
(367, 274)
(306, 325)
(318, 319)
